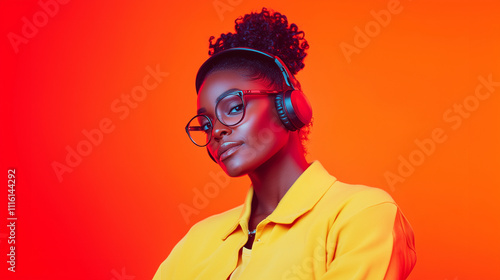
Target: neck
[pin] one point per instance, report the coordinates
(273, 178)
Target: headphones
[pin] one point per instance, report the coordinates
(292, 106)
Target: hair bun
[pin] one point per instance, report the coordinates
(269, 32)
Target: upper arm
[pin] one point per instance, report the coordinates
(371, 244)
(168, 266)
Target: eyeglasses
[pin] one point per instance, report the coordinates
(229, 110)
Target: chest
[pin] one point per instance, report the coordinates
(278, 252)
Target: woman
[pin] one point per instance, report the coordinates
(298, 221)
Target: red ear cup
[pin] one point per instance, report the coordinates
(294, 110)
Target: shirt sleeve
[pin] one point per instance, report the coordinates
(375, 243)
(168, 266)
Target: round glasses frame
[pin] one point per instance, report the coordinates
(208, 126)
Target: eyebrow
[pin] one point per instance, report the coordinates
(222, 95)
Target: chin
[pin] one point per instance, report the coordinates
(241, 163)
(234, 168)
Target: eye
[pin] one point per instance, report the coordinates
(206, 127)
(233, 105)
(229, 107)
(204, 124)
(236, 109)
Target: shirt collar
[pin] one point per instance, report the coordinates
(305, 192)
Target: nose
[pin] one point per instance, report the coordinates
(219, 130)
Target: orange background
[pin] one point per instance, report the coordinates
(116, 215)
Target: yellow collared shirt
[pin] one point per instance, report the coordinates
(321, 229)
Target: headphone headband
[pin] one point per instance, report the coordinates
(288, 77)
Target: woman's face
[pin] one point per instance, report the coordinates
(242, 148)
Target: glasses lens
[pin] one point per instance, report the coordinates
(199, 129)
(230, 109)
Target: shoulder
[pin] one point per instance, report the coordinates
(366, 224)
(333, 195)
(215, 225)
(205, 235)
(343, 202)
(362, 194)
(201, 240)
(355, 197)
(220, 219)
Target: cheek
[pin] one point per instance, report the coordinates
(261, 135)
(264, 134)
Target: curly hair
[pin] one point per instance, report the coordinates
(268, 32)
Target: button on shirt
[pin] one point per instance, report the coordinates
(321, 229)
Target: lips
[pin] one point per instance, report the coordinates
(227, 149)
